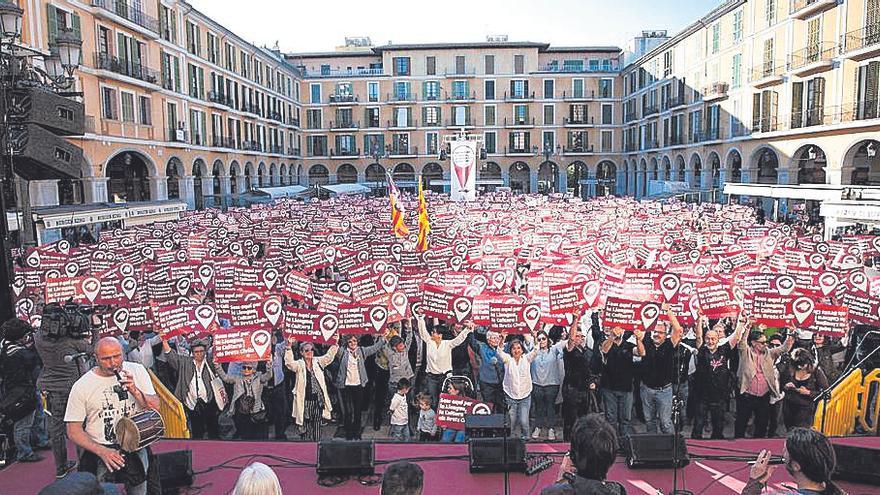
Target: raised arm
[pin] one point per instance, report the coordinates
(328, 356)
(373, 349)
(291, 363)
(461, 336)
(677, 330)
(640, 336)
(423, 329)
(219, 370)
(700, 329)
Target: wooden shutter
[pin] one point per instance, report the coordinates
(76, 25)
(526, 88)
(52, 16)
(797, 98)
(817, 105)
(872, 75)
(757, 117)
(774, 109)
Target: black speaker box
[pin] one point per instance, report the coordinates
(337, 457)
(39, 154)
(654, 451)
(175, 470)
(858, 464)
(60, 115)
(487, 455)
(486, 425)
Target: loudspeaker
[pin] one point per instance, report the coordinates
(337, 457)
(39, 154)
(487, 455)
(654, 451)
(486, 425)
(60, 115)
(857, 464)
(175, 470)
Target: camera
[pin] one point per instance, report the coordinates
(67, 320)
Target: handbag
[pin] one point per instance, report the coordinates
(219, 390)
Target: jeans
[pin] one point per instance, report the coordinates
(746, 405)
(450, 435)
(518, 412)
(433, 382)
(618, 410)
(129, 490)
(683, 392)
(380, 397)
(352, 407)
(57, 405)
(204, 419)
(658, 406)
(399, 432)
(716, 411)
(39, 434)
(492, 393)
(575, 403)
(544, 399)
(22, 436)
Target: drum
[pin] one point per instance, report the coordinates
(139, 431)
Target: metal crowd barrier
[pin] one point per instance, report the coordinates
(855, 402)
(171, 411)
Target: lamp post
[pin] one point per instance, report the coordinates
(376, 153)
(549, 151)
(18, 71)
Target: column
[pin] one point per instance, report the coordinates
(158, 188)
(640, 183)
(95, 189)
(225, 190)
(631, 179)
(505, 176)
(834, 171)
(562, 183)
(362, 177)
(533, 180)
(43, 192)
(783, 176)
(620, 183)
(331, 178)
(187, 192)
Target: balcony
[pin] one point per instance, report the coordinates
(650, 110)
(252, 146)
(578, 150)
(459, 123)
(715, 91)
(630, 117)
(520, 151)
(862, 43)
(808, 118)
(579, 96)
(318, 153)
(344, 125)
(813, 59)
(276, 150)
(767, 74)
(317, 74)
(578, 69)
(519, 96)
(295, 152)
(344, 153)
(276, 116)
(465, 72)
(294, 121)
(630, 147)
(580, 122)
(519, 123)
(176, 135)
(712, 134)
(123, 9)
(124, 67)
(461, 96)
(675, 102)
(409, 124)
(400, 97)
(343, 99)
(801, 9)
(251, 108)
(403, 151)
(651, 144)
(223, 142)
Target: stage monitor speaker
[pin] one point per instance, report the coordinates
(487, 455)
(486, 425)
(858, 464)
(337, 457)
(40, 155)
(175, 470)
(60, 115)
(654, 451)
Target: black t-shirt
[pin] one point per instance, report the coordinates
(577, 366)
(659, 363)
(617, 374)
(713, 374)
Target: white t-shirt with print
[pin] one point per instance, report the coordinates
(93, 402)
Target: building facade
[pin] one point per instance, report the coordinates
(757, 91)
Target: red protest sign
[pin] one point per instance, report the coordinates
(311, 326)
(128, 319)
(770, 308)
(445, 305)
(631, 315)
(231, 345)
(451, 410)
(567, 298)
(359, 319)
(863, 307)
(260, 314)
(176, 319)
(717, 298)
(824, 319)
(296, 285)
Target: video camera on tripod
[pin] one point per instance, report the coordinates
(67, 320)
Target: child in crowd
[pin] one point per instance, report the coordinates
(451, 434)
(427, 426)
(400, 412)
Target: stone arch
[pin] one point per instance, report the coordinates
(201, 184)
(235, 177)
(319, 175)
(680, 169)
(273, 175)
(261, 174)
(218, 171)
(655, 169)
(173, 172)
(643, 173)
(346, 174)
(403, 172)
(375, 174)
(733, 165)
(861, 163)
(128, 174)
(765, 161)
(666, 170)
(520, 177)
(606, 178)
(696, 167)
(811, 161)
(283, 174)
(431, 173)
(578, 174)
(299, 173)
(548, 177)
(249, 176)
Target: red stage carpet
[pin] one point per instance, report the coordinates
(444, 476)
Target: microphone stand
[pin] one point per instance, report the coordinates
(676, 427)
(825, 395)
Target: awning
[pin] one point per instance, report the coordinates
(74, 215)
(283, 191)
(480, 182)
(815, 192)
(345, 189)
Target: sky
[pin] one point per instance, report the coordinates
(308, 26)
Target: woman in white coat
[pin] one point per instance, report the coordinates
(310, 399)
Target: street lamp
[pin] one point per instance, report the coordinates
(549, 151)
(10, 20)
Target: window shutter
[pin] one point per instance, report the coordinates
(136, 55)
(77, 27)
(774, 109)
(176, 75)
(797, 98)
(121, 52)
(511, 88)
(201, 83)
(52, 16)
(757, 117)
(818, 104)
(526, 88)
(871, 80)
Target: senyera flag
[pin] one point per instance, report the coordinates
(424, 222)
(398, 227)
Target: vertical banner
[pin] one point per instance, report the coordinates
(463, 179)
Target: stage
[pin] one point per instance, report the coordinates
(446, 468)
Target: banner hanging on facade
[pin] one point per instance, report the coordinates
(463, 180)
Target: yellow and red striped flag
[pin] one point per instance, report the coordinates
(398, 227)
(424, 222)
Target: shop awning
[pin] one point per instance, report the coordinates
(346, 189)
(283, 191)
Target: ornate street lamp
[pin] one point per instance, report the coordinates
(10, 20)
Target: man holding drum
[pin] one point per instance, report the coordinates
(112, 390)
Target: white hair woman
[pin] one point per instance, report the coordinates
(257, 479)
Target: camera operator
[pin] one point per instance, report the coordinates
(64, 342)
(18, 362)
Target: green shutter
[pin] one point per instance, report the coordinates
(52, 15)
(136, 55)
(75, 23)
(756, 112)
(201, 73)
(176, 74)
(120, 47)
(797, 98)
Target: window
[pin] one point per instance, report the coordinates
(345, 144)
(606, 88)
(401, 66)
(171, 118)
(521, 114)
(519, 142)
(402, 90)
(460, 90)
(108, 103)
(735, 71)
(316, 146)
(577, 114)
(548, 140)
(371, 117)
(575, 65)
(431, 116)
(769, 67)
(489, 61)
(401, 117)
(548, 89)
(167, 24)
(373, 91)
(146, 112)
(770, 11)
(577, 88)
(594, 65)
(213, 49)
(374, 142)
(170, 72)
(867, 80)
(460, 114)
(519, 64)
(716, 37)
(197, 127)
(607, 114)
(431, 66)
(737, 25)
(489, 90)
(59, 20)
(344, 89)
(489, 115)
(230, 57)
(607, 137)
(431, 143)
(695, 119)
(519, 88)
(807, 107)
(459, 64)
(667, 63)
(104, 38)
(315, 91)
(313, 118)
(400, 144)
(490, 142)
(578, 141)
(193, 39)
(549, 114)
(196, 82)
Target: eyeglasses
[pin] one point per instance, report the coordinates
(247, 368)
(308, 350)
(541, 339)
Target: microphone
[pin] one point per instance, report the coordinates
(121, 392)
(772, 461)
(73, 357)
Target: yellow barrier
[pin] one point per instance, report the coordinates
(171, 411)
(842, 407)
(870, 403)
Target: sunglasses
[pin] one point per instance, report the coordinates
(308, 350)
(541, 339)
(246, 368)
